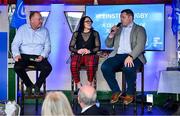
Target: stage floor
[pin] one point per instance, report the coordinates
(30, 110)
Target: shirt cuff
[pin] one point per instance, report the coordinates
(44, 55)
(130, 56)
(14, 55)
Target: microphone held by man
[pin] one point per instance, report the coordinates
(114, 29)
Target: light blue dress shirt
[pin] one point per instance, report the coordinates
(31, 42)
(124, 43)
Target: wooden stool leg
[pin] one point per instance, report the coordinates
(73, 99)
(22, 97)
(123, 83)
(18, 92)
(135, 100)
(95, 82)
(72, 91)
(36, 107)
(123, 89)
(142, 91)
(36, 97)
(36, 104)
(44, 87)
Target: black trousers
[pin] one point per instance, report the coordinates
(44, 67)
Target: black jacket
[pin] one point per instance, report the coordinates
(94, 110)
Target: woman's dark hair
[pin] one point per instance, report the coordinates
(81, 24)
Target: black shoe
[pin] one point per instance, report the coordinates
(29, 90)
(36, 90)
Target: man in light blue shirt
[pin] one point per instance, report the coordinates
(32, 46)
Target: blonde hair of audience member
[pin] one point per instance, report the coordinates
(56, 104)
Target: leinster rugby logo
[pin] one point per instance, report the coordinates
(21, 11)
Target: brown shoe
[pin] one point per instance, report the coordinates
(128, 99)
(115, 97)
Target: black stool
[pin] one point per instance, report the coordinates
(139, 70)
(20, 91)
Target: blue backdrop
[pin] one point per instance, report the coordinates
(3, 65)
(150, 16)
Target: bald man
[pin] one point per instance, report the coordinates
(31, 47)
(87, 100)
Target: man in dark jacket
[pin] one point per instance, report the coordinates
(87, 100)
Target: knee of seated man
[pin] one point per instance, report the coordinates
(104, 67)
(18, 68)
(47, 68)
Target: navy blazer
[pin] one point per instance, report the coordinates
(94, 110)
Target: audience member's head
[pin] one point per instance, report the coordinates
(87, 96)
(56, 104)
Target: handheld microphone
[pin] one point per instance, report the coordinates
(118, 25)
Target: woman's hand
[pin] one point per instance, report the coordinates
(86, 51)
(80, 51)
(83, 51)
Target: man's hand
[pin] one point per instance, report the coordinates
(39, 58)
(17, 58)
(113, 31)
(129, 62)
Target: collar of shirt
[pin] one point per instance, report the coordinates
(129, 26)
(84, 109)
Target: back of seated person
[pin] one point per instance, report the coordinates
(56, 104)
(87, 100)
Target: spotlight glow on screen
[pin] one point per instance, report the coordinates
(150, 16)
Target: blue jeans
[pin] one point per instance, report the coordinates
(112, 65)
